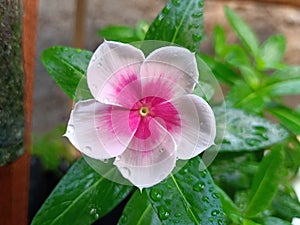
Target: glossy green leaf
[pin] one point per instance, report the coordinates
(231, 211)
(82, 196)
(287, 117)
(139, 211)
(272, 53)
(286, 204)
(265, 182)
(236, 56)
(219, 40)
(223, 72)
(251, 76)
(274, 221)
(246, 132)
(284, 82)
(243, 31)
(67, 66)
(188, 197)
(125, 34)
(249, 222)
(180, 22)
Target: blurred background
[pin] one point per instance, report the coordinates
(56, 26)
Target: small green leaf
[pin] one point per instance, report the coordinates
(219, 40)
(246, 132)
(223, 72)
(188, 197)
(287, 117)
(82, 196)
(67, 66)
(243, 31)
(272, 53)
(265, 182)
(251, 76)
(180, 22)
(284, 82)
(230, 209)
(286, 204)
(125, 34)
(274, 221)
(139, 211)
(236, 56)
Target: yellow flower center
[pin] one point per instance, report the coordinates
(144, 111)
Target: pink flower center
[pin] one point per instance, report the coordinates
(149, 108)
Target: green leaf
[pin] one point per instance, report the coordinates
(272, 53)
(246, 132)
(286, 204)
(223, 72)
(287, 117)
(188, 197)
(82, 196)
(265, 182)
(67, 66)
(230, 209)
(219, 40)
(274, 221)
(249, 222)
(243, 31)
(139, 211)
(125, 34)
(180, 22)
(284, 82)
(251, 76)
(51, 148)
(236, 56)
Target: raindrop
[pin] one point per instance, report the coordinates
(196, 37)
(163, 213)
(93, 211)
(99, 65)
(220, 222)
(205, 199)
(94, 86)
(199, 186)
(70, 129)
(252, 141)
(184, 171)
(87, 149)
(123, 219)
(214, 195)
(105, 160)
(215, 212)
(156, 194)
(176, 2)
(118, 158)
(193, 26)
(197, 14)
(166, 10)
(96, 216)
(125, 171)
(260, 129)
(178, 214)
(265, 137)
(203, 173)
(161, 150)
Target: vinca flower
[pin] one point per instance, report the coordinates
(143, 114)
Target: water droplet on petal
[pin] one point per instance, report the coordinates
(118, 158)
(161, 150)
(99, 65)
(125, 171)
(105, 160)
(87, 149)
(94, 86)
(163, 213)
(70, 129)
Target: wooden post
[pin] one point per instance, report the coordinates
(14, 177)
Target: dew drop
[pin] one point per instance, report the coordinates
(96, 216)
(261, 129)
(163, 213)
(252, 141)
(156, 194)
(197, 14)
(214, 195)
(118, 158)
(87, 148)
(125, 171)
(178, 214)
(205, 199)
(161, 150)
(184, 171)
(203, 173)
(99, 65)
(215, 212)
(176, 2)
(123, 219)
(166, 10)
(196, 37)
(93, 211)
(70, 129)
(105, 160)
(199, 186)
(94, 86)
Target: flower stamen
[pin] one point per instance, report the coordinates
(144, 111)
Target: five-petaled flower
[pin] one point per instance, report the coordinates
(143, 114)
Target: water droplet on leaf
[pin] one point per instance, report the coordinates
(197, 14)
(163, 213)
(156, 194)
(166, 10)
(196, 37)
(199, 186)
(176, 2)
(215, 212)
(252, 141)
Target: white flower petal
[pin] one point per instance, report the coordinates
(112, 67)
(152, 162)
(198, 126)
(169, 65)
(91, 130)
